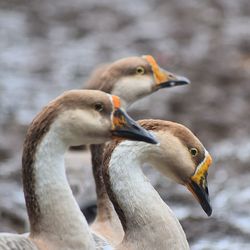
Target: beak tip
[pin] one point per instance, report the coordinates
(181, 80)
(175, 82)
(205, 204)
(153, 141)
(201, 196)
(208, 210)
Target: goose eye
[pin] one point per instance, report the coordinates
(140, 70)
(193, 151)
(99, 106)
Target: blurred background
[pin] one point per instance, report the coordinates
(50, 46)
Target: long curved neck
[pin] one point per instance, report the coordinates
(107, 222)
(105, 209)
(53, 211)
(142, 212)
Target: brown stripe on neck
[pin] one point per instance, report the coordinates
(37, 130)
(96, 159)
(103, 207)
(108, 150)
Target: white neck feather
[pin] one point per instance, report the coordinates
(62, 221)
(150, 222)
(131, 89)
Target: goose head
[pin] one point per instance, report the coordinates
(132, 78)
(182, 157)
(88, 116)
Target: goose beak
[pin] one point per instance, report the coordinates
(166, 79)
(197, 185)
(126, 127)
(163, 78)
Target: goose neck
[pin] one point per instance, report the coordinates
(51, 206)
(140, 208)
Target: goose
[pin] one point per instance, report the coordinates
(147, 221)
(76, 117)
(133, 78)
(130, 78)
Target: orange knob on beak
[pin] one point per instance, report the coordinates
(198, 185)
(163, 78)
(125, 127)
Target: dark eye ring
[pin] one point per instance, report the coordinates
(140, 70)
(99, 106)
(193, 151)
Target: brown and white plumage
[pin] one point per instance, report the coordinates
(131, 79)
(74, 118)
(147, 221)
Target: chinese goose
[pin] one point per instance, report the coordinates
(131, 79)
(147, 221)
(76, 117)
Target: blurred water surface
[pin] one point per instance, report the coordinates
(51, 46)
